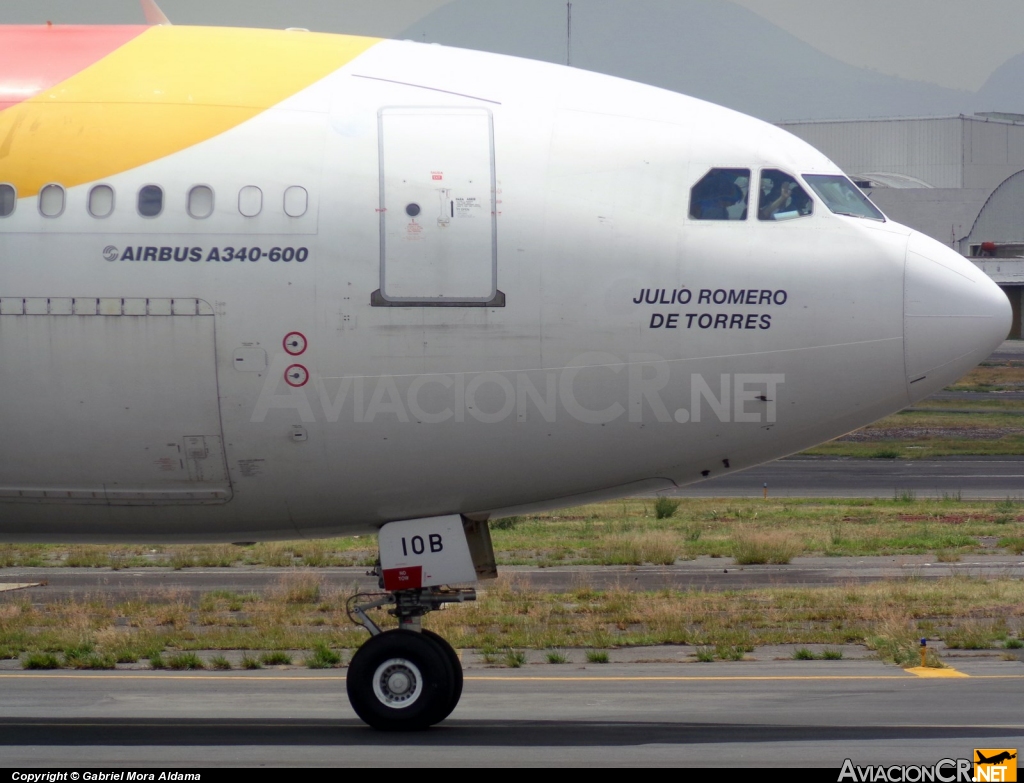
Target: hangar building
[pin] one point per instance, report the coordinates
(958, 179)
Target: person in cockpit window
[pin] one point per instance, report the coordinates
(782, 197)
(778, 200)
(718, 195)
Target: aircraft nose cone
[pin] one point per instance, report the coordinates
(954, 316)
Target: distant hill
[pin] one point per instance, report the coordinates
(710, 49)
(1004, 90)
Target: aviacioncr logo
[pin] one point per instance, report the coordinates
(110, 253)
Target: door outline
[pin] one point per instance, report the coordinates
(378, 298)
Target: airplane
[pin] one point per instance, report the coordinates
(265, 284)
(996, 759)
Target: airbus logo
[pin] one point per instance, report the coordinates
(111, 253)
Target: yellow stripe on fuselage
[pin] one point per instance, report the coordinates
(164, 91)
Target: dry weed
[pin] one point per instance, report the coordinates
(760, 547)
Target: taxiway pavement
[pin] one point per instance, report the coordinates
(722, 715)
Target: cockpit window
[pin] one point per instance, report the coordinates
(721, 195)
(842, 196)
(782, 198)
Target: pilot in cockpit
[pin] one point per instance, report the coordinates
(716, 196)
(782, 197)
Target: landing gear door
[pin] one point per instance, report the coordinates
(437, 208)
(425, 553)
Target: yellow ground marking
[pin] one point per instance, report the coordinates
(163, 91)
(927, 672)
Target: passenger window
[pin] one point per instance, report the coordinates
(250, 201)
(8, 199)
(296, 200)
(151, 201)
(782, 198)
(200, 202)
(101, 201)
(721, 195)
(51, 201)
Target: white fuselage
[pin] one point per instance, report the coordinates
(150, 399)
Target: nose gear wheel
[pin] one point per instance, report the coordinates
(401, 681)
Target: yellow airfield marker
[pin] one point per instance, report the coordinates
(924, 671)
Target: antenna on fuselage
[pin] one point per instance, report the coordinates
(153, 13)
(568, 33)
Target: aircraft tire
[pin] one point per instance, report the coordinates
(457, 678)
(400, 681)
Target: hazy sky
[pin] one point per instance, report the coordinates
(955, 43)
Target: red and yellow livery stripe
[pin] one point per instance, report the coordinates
(141, 94)
(33, 59)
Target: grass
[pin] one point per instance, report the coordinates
(977, 430)
(985, 426)
(322, 657)
(729, 652)
(828, 654)
(40, 660)
(665, 508)
(889, 453)
(276, 658)
(508, 619)
(505, 523)
(775, 547)
(185, 661)
(514, 659)
(488, 654)
(220, 663)
(973, 635)
(354, 551)
(629, 532)
(992, 376)
(1014, 543)
(893, 640)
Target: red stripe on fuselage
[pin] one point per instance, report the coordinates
(33, 59)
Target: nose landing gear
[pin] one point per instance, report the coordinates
(408, 679)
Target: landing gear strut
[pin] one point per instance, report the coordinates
(409, 678)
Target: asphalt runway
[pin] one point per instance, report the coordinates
(46, 585)
(995, 478)
(746, 714)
